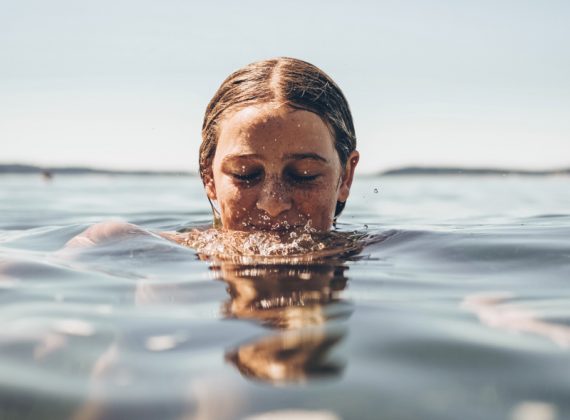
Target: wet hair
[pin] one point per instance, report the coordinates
(283, 80)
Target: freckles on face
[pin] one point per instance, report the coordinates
(275, 168)
(235, 205)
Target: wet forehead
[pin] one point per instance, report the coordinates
(274, 132)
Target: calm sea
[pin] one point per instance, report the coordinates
(457, 306)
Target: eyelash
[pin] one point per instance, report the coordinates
(247, 177)
(303, 179)
(298, 179)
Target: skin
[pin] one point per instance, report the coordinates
(276, 168)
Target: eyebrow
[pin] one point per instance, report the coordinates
(293, 156)
(240, 156)
(300, 156)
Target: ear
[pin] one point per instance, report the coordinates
(347, 176)
(210, 186)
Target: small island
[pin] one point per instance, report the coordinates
(427, 170)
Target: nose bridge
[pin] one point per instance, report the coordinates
(275, 196)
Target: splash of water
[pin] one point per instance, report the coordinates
(268, 246)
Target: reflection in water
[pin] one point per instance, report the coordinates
(292, 356)
(298, 301)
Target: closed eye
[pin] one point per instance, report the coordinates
(247, 177)
(303, 178)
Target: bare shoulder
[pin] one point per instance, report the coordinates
(105, 232)
(113, 231)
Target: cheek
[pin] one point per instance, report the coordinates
(318, 204)
(235, 203)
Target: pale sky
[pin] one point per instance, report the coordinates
(123, 84)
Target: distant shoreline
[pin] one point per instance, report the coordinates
(419, 170)
(14, 169)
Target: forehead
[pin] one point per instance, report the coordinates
(271, 130)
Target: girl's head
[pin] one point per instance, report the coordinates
(278, 147)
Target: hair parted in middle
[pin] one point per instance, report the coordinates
(283, 81)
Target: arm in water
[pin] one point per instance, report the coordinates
(493, 311)
(114, 231)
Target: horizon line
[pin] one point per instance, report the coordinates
(26, 168)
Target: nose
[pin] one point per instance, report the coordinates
(274, 198)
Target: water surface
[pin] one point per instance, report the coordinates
(456, 305)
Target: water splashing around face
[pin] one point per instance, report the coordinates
(294, 246)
